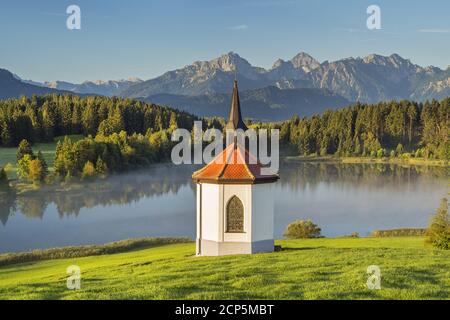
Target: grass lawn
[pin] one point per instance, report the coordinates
(305, 269)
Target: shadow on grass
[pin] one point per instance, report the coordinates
(42, 290)
(409, 278)
(300, 249)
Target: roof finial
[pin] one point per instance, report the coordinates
(235, 120)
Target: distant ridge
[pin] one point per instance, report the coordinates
(105, 88)
(267, 104)
(370, 79)
(12, 87)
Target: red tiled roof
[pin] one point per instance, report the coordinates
(233, 165)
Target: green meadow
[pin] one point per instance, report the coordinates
(304, 269)
(8, 156)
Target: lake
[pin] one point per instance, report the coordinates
(160, 201)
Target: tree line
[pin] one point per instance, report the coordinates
(41, 118)
(384, 129)
(119, 134)
(117, 152)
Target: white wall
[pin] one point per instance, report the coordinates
(263, 218)
(258, 211)
(210, 211)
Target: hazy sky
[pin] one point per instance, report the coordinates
(120, 39)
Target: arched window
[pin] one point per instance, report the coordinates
(235, 215)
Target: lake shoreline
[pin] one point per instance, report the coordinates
(61, 186)
(160, 201)
(76, 184)
(367, 160)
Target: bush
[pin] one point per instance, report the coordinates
(438, 233)
(406, 155)
(88, 171)
(404, 232)
(8, 167)
(23, 166)
(381, 153)
(301, 229)
(418, 153)
(351, 235)
(36, 171)
(101, 167)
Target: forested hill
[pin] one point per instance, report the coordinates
(40, 118)
(385, 129)
(265, 104)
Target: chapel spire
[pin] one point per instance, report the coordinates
(235, 120)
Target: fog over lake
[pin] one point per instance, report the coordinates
(160, 201)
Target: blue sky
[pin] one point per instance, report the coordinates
(145, 38)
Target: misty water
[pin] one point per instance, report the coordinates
(160, 201)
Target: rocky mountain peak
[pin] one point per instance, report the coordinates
(227, 63)
(278, 63)
(304, 61)
(374, 58)
(394, 60)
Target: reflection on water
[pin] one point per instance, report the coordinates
(346, 198)
(116, 190)
(160, 201)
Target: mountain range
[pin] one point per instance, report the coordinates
(105, 88)
(370, 79)
(300, 85)
(98, 87)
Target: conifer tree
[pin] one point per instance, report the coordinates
(36, 172)
(23, 149)
(438, 233)
(88, 170)
(41, 158)
(101, 167)
(23, 166)
(6, 138)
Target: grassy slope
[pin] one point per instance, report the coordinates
(306, 269)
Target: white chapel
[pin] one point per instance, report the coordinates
(235, 208)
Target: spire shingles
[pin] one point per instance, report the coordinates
(235, 120)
